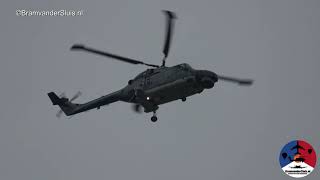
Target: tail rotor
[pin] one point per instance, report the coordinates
(63, 95)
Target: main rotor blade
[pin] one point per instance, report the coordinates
(170, 16)
(94, 51)
(246, 82)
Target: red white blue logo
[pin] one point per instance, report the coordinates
(298, 158)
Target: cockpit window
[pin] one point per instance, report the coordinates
(148, 72)
(187, 66)
(184, 66)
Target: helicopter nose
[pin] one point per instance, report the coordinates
(206, 78)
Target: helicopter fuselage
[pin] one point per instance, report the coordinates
(161, 85)
(152, 87)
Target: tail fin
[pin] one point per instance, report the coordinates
(66, 106)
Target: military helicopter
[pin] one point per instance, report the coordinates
(153, 87)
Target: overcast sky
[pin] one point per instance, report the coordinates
(228, 132)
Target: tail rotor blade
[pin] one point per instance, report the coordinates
(244, 82)
(59, 113)
(62, 95)
(76, 96)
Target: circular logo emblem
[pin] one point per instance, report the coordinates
(297, 158)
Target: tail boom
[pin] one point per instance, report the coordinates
(70, 108)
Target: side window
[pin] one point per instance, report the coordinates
(148, 82)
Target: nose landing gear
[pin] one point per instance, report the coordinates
(154, 117)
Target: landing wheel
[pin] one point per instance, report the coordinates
(183, 99)
(154, 118)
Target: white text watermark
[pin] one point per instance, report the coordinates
(62, 12)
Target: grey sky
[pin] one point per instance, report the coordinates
(229, 132)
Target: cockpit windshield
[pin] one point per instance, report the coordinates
(148, 72)
(184, 66)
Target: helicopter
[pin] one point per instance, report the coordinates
(155, 86)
